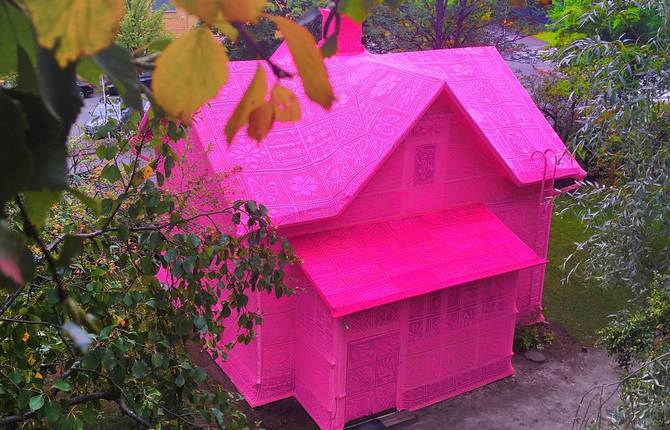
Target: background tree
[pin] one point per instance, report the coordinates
(141, 25)
(87, 324)
(620, 64)
(267, 38)
(554, 96)
(438, 24)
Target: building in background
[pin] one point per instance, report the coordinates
(175, 20)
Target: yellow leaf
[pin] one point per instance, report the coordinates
(207, 10)
(31, 360)
(285, 104)
(26, 337)
(75, 28)
(228, 30)
(253, 97)
(214, 11)
(189, 72)
(38, 375)
(260, 121)
(243, 10)
(147, 172)
(308, 60)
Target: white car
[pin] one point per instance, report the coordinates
(109, 113)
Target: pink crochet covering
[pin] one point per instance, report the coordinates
(368, 265)
(421, 206)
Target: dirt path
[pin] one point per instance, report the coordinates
(539, 397)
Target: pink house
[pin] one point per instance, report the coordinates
(420, 205)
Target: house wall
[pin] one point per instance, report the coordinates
(264, 370)
(242, 364)
(316, 387)
(419, 351)
(442, 164)
(178, 21)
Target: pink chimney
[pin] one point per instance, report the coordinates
(351, 32)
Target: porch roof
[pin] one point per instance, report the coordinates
(363, 266)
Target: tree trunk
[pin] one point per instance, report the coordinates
(438, 24)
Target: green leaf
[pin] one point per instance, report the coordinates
(358, 10)
(140, 369)
(38, 204)
(111, 173)
(90, 202)
(27, 80)
(104, 333)
(329, 47)
(218, 416)
(36, 402)
(90, 360)
(89, 70)
(123, 233)
(179, 381)
(49, 153)
(52, 411)
(251, 206)
(159, 45)
(58, 88)
(15, 32)
(106, 152)
(179, 71)
(71, 422)
(116, 63)
(62, 385)
(72, 246)
(147, 265)
(15, 377)
(157, 359)
(155, 239)
(195, 240)
(16, 165)
(200, 375)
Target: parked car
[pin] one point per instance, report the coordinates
(109, 116)
(85, 89)
(105, 117)
(145, 79)
(8, 84)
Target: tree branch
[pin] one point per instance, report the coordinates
(123, 406)
(67, 403)
(20, 321)
(11, 299)
(251, 40)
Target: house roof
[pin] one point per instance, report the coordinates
(313, 168)
(360, 267)
(165, 4)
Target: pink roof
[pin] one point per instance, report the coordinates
(356, 268)
(313, 168)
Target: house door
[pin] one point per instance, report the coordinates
(372, 374)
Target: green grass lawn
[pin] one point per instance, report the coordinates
(548, 36)
(580, 307)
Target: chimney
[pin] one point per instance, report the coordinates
(349, 38)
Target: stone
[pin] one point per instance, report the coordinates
(535, 356)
